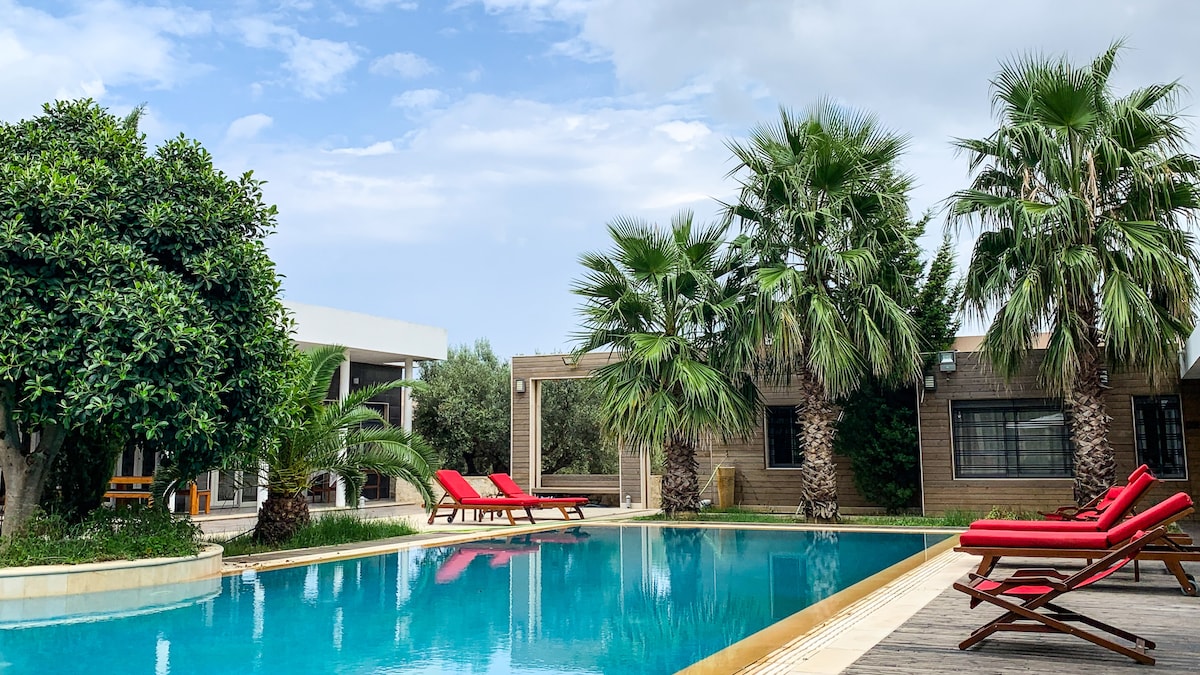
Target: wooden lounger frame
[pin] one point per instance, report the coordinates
(1038, 613)
(1170, 552)
(480, 509)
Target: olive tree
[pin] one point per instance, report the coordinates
(137, 295)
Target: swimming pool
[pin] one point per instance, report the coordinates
(593, 599)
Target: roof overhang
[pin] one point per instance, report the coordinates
(369, 339)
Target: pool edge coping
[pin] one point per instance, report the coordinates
(756, 647)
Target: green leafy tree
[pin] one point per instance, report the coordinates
(659, 299)
(1083, 198)
(878, 429)
(463, 409)
(345, 438)
(136, 293)
(823, 208)
(572, 432)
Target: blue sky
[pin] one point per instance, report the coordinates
(447, 162)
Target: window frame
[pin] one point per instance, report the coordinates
(1137, 440)
(797, 451)
(1010, 405)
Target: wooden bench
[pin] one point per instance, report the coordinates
(195, 494)
(130, 487)
(137, 487)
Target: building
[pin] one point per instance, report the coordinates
(984, 442)
(378, 350)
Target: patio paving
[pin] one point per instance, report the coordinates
(1153, 608)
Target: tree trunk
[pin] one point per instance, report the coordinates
(817, 419)
(681, 486)
(1095, 463)
(25, 470)
(281, 516)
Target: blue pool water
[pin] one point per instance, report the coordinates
(600, 599)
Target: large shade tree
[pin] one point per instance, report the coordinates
(1083, 198)
(463, 409)
(138, 302)
(661, 299)
(822, 206)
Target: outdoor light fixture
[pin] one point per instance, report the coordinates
(1104, 377)
(946, 362)
(930, 382)
(520, 386)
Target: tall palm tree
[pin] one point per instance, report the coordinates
(823, 207)
(1083, 199)
(344, 438)
(660, 300)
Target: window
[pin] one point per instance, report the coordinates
(1158, 423)
(1024, 438)
(783, 450)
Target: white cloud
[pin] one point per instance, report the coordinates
(245, 128)
(684, 132)
(99, 45)
(379, 5)
(317, 66)
(380, 148)
(404, 64)
(417, 98)
(496, 168)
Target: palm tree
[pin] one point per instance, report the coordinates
(1082, 198)
(660, 300)
(823, 208)
(344, 438)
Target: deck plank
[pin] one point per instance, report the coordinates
(1153, 608)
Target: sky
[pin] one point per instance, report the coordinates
(446, 163)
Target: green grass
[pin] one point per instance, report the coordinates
(329, 530)
(127, 533)
(740, 515)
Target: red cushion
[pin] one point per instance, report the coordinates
(456, 486)
(498, 501)
(1124, 501)
(1037, 525)
(1016, 539)
(507, 485)
(1150, 518)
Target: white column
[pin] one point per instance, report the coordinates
(343, 392)
(406, 409)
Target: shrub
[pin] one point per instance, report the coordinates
(126, 533)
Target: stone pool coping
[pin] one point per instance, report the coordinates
(112, 575)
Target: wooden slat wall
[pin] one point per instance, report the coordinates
(524, 424)
(975, 381)
(756, 484)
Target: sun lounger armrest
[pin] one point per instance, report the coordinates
(1014, 582)
(1038, 572)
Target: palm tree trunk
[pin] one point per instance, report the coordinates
(681, 486)
(281, 516)
(817, 420)
(1095, 463)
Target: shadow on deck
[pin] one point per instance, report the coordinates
(1153, 608)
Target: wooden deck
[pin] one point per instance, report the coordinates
(1153, 608)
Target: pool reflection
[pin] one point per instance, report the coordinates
(628, 599)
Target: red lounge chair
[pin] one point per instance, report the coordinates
(509, 488)
(465, 498)
(1112, 514)
(1093, 509)
(1028, 598)
(993, 545)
